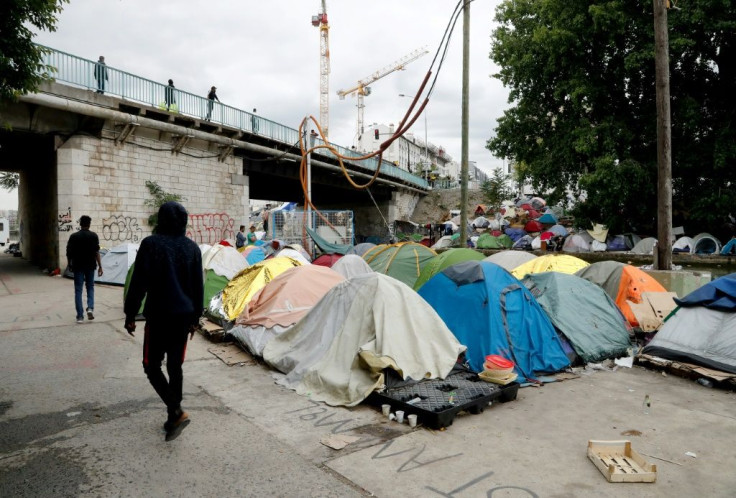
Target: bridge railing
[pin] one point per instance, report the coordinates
(76, 71)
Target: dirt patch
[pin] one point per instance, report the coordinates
(436, 206)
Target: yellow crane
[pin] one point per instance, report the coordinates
(362, 89)
(320, 21)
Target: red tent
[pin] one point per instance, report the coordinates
(327, 260)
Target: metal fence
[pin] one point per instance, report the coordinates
(84, 73)
(288, 226)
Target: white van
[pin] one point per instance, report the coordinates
(4, 231)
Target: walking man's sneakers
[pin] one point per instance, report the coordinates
(174, 427)
(90, 314)
(80, 319)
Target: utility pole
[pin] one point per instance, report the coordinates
(464, 130)
(663, 261)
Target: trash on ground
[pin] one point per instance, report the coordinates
(618, 462)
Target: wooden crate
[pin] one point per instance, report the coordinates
(619, 463)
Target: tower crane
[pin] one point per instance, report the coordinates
(362, 89)
(320, 21)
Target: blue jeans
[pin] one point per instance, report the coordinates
(82, 277)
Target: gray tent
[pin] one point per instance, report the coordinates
(705, 243)
(645, 246)
(116, 262)
(510, 259)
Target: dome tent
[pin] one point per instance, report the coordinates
(442, 261)
(403, 261)
(510, 259)
(551, 262)
(705, 243)
(491, 312)
(350, 265)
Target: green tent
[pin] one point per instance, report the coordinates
(403, 261)
(488, 241)
(443, 260)
(583, 313)
(213, 283)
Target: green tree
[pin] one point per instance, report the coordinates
(496, 189)
(583, 117)
(9, 181)
(160, 197)
(21, 66)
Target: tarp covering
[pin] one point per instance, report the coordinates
(442, 261)
(328, 247)
(729, 248)
(224, 260)
(403, 261)
(116, 262)
(243, 286)
(622, 283)
(720, 294)
(561, 263)
(491, 312)
(583, 312)
(338, 351)
(350, 265)
(510, 259)
(282, 303)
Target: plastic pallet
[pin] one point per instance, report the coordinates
(436, 402)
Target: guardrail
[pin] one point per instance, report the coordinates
(76, 71)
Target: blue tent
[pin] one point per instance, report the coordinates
(720, 294)
(729, 248)
(491, 312)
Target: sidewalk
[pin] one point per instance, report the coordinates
(78, 417)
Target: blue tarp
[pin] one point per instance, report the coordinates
(729, 248)
(491, 312)
(719, 294)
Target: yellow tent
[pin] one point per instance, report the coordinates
(243, 286)
(561, 263)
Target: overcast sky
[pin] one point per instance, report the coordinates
(265, 55)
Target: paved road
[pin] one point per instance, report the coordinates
(78, 418)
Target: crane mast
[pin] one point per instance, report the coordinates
(320, 21)
(362, 89)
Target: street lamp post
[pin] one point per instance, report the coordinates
(426, 143)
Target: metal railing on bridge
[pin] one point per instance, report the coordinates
(76, 71)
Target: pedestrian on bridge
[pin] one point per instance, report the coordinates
(168, 273)
(83, 257)
(169, 95)
(101, 74)
(211, 97)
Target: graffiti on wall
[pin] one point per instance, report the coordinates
(65, 221)
(119, 228)
(210, 228)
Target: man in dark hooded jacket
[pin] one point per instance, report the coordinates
(168, 273)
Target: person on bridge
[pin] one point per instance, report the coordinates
(168, 273)
(211, 97)
(169, 95)
(83, 257)
(254, 122)
(101, 74)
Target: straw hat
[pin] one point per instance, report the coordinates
(599, 232)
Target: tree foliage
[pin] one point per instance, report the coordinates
(583, 113)
(496, 189)
(9, 181)
(160, 197)
(21, 66)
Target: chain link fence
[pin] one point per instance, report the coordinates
(288, 226)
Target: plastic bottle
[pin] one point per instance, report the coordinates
(647, 405)
(704, 382)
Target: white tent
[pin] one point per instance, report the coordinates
(576, 243)
(683, 243)
(705, 243)
(338, 351)
(645, 246)
(350, 265)
(510, 259)
(224, 260)
(116, 262)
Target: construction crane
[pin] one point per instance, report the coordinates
(362, 89)
(320, 21)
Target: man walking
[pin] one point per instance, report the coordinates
(83, 257)
(168, 272)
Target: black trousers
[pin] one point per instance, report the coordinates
(165, 339)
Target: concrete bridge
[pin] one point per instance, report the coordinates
(82, 149)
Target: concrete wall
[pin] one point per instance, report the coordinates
(107, 181)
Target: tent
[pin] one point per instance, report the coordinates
(510, 259)
(481, 222)
(703, 329)
(576, 243)
(645, 246)
(548, 219)
(361, 248)
(533, 226)
(583, 313)
(705, 243)
(551, 262)
(403, 261)
(622, 283)
(253, 254)
(213, 285)
(243, 286)
(350, 265)
(514, 233)
(623, 242)
(327, 260)
(488, 241)
(559, 230)
(281, 303)
(445, 241)
(442, 261)
(338, 351)
(288, 252)
(683, 244)
(224, 260)
(116, 262)
(729, 248)
(491, 312)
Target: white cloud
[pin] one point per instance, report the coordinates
(266, 55)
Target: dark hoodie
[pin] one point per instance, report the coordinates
(168, 272)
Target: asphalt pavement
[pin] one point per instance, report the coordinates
(79, 418)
